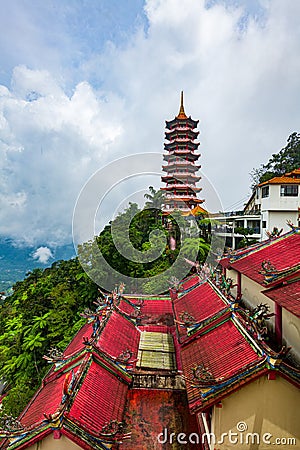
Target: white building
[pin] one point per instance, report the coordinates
(271, 205)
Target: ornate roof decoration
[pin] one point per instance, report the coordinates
(202, 376)
(181, 114)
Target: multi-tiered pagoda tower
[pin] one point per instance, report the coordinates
(181, 190)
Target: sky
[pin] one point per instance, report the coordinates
(85, 82)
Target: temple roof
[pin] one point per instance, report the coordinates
(198, 210)
(281, 252)
(287, 295)
(92, 407)
(198, 305)
(118, 335)
(294, 173)
(84, 395)
(76, 343)
(220, 355)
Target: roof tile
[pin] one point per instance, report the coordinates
(119, 334)
(101, 398)
(223, 352)
(283, 253)
(288, 296)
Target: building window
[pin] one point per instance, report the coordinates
(290, 190)
(264, 224)
(265, 192)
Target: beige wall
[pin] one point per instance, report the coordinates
(265, 406)
(230, 273)
(252, 296)
(291, 331)
(49, 443)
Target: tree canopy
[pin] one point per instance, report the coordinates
(286, 160)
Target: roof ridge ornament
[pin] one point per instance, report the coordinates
(181, 114)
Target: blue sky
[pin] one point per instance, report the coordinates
(84, 82)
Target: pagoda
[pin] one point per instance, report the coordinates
(181, 157)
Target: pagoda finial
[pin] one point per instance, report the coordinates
(181, 114)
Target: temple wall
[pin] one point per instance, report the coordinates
(157, 420)
(231, 273)
(265, 406)
(291, 332)
(252, 296)
(49, 443)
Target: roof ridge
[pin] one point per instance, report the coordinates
(232, 258)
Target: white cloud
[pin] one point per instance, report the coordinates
(243, 83)
(43, 255)
(49, 147)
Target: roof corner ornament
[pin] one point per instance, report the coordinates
(68, 386)
(10, 424)
(113, 432)
(226, 285)
(258, 318)
(186, 320)
(125, 359)
(202, 376)
(274, 233)
(54, 356)
(292, 226)
(276, 358)
(267, 268)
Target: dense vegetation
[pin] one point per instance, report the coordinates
(286, 160)
(44, 309)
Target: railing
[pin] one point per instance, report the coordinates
(235, 213)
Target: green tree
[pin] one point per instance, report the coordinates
(286, 160)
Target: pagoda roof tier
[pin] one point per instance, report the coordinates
(179, 152)
(180, 172)
(182, 118)
(181, 163)
(182, 198)
(184, 144)
(176, 175)
(181, 187)
(179, 133)
(188, 123)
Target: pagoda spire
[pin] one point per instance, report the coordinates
(181, 114)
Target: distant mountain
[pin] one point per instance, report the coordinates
(16, 261)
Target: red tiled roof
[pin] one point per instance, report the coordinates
(126, 307)
(77, 342)
(202, 302)
(223, 352)
(190, 282)
(101, 398)
(288, 296)
(283, 253)
(156, 307)
(47, 400)
(118, 335)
